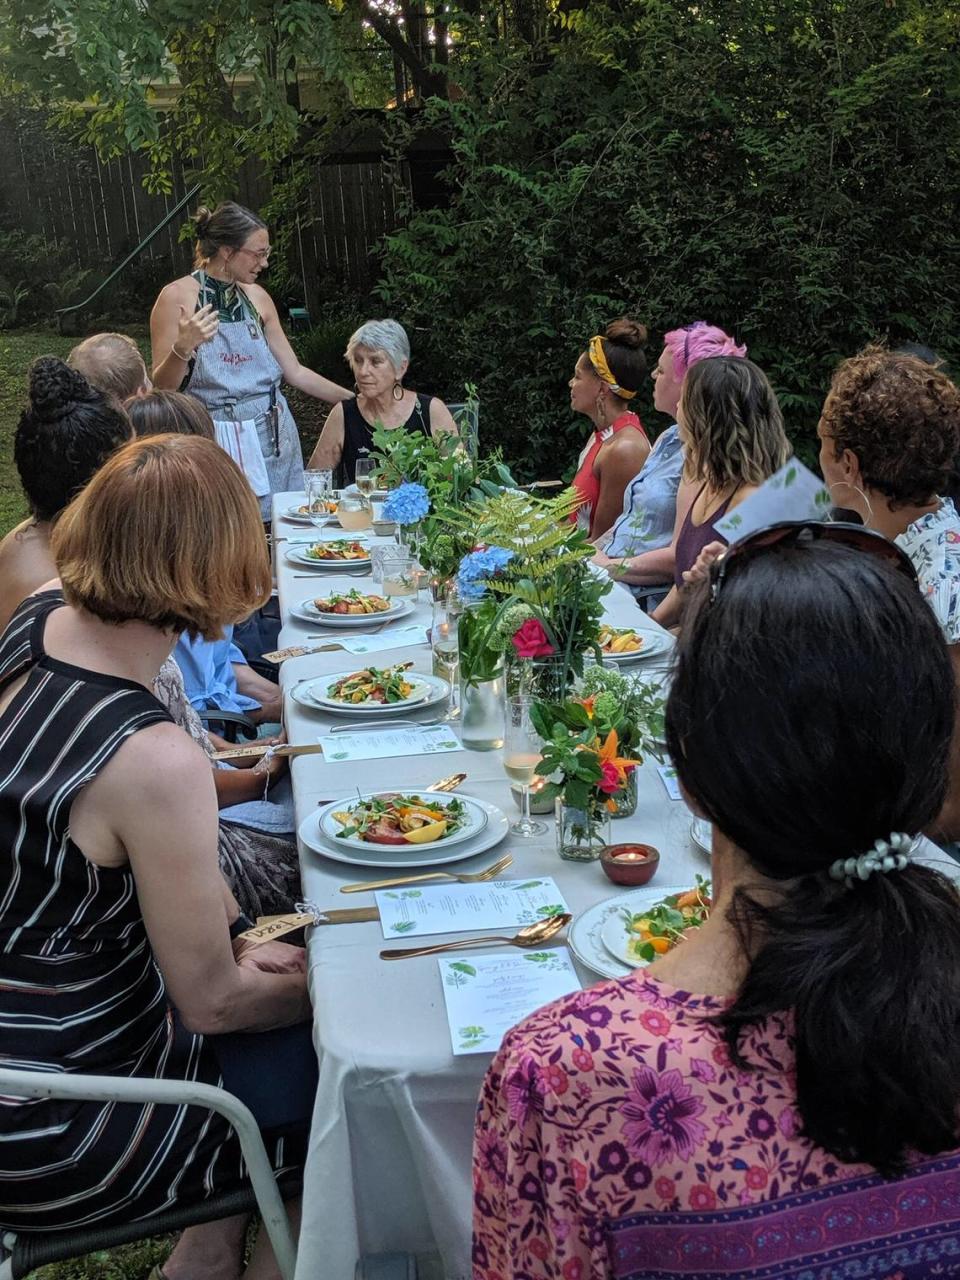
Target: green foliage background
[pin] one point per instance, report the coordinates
(789, 171)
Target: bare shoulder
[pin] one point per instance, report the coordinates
(163, 760)
(261, 299)
(626, 446)
(180, 292)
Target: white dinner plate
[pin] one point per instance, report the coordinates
(414, 855)
(701, 833)
(313, 695)
(307, 611)
(654, 642)
(613, 931)
(297, 553)
(585, 936)
(475, 819)
(297, 516)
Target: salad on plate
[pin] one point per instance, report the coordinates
(338, 549)
(373, 684)
(352, 602)
(401, 819)
(619, 640)
(658, 928)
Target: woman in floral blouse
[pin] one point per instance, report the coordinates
(777, 1096)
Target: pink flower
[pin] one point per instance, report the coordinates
(756, 1177)
(660, 1117)
(582, 1060)
(721, 1055)
(788, 1122)
(539, 1248)
(610, 780)
(530, 640)
(556, 1079)
(702, 1070)
(524, 1090)
(579, 1172)
(573, 1269)
(655, 1022)
(665, 1188)
(702, 1197)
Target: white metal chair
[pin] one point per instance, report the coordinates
(22, 1252)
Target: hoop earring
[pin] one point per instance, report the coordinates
(856, 488)
(398, 390)
(602, 408)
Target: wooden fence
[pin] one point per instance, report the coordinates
(63, 192)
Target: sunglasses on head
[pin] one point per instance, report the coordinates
(796, 532)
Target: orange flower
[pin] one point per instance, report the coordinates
(615, 768)
(587, 704)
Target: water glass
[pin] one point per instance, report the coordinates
(521, 755)
(318, 485)
(400, 574)
(444, 641)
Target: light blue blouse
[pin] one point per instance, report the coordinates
(208, 675)
(650, 506)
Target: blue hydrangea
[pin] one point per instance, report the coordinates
(476, 568)
(407, 505)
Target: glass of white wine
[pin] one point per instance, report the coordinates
(318, 485)
(521, 755)
(365, 475)
(445, 643)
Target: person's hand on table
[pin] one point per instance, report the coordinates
(700, 570)
(613, 566)
(270, 957)
(197, 327)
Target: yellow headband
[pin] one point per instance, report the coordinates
(600, 367)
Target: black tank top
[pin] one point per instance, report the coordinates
(358, 434)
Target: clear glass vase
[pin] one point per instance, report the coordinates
(545, 679)
(582, 833)
(481, 713)
(625, 800)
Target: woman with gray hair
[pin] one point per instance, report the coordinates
(378, 353)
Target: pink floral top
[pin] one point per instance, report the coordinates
(620, 1101)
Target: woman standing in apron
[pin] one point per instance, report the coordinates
(216, 335)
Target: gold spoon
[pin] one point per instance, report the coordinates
(531, 935)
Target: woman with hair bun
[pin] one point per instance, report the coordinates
(606, 378)
(779, 1094)
(216, 334)
(65, 434)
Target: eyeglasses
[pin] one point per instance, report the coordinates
(262, 255)
(795, 532)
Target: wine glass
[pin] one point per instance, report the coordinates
(521, 755)
(364, 475)
(445, 643)
(318, 485)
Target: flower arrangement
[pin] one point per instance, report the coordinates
(580, 754)
(528, 584)
(407, 504)
(629, 704)
(449, 477)
(584, 769)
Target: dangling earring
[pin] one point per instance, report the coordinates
(398, 390)
(856, 488)
(602, 408)
(356, 388)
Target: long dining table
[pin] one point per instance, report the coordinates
(390, 1150)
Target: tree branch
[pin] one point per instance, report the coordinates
(430, 83)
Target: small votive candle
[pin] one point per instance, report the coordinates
(630, 864)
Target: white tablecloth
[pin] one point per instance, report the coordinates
(389, 1160)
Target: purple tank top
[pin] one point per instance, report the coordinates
(692, 538)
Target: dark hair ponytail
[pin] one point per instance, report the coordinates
(810, 715)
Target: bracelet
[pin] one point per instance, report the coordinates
(240, 925)
(185, 359)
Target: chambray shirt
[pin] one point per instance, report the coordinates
(650, 506)
(208, 674)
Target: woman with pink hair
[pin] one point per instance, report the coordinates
(639, 549)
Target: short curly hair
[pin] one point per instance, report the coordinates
(901, 417)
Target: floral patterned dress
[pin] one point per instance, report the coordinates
(933, 544)
(615, 1138)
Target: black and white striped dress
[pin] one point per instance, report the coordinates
(79, 989)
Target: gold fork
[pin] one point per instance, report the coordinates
(474, 877)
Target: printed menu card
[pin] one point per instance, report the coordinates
(457, 908)
(489, 992)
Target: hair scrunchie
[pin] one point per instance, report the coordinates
(886, 855)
